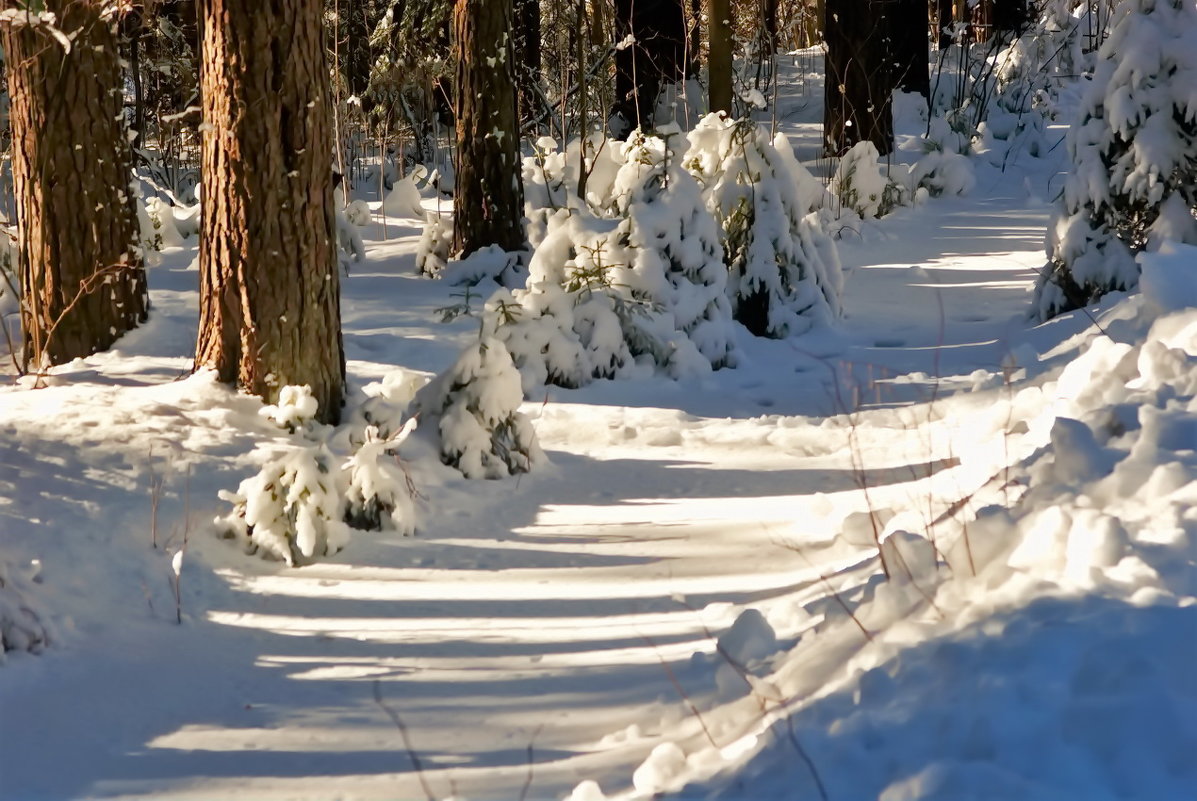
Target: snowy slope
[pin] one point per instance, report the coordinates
(688, 599)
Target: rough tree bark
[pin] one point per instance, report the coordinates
(82, 280)
(719, 60)
(488, 206)
(269, 288)
(858, 87)
(657, 59)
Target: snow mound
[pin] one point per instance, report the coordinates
(21, 624)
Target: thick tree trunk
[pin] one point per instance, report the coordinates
(909, 53)
(488, 206)
(858, 102)
(269, 288)
(719, 63)
(82, 280)
(657, 59)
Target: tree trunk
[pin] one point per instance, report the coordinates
(488, 206)
(357, 45)
(909, 53)
(769, 23)
(82, 280)
(858, 92)
(1009, 18)
(719, 61)
(657, 59)
(944, 21)
(269, 288)
(527, 46)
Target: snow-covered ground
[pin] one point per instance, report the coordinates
(688, 598)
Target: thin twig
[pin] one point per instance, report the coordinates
(411, 752)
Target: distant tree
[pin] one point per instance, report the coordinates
(82, 280)
(719, 64)
(656, 59)
(769, 21)
(269, 288)
(857, 102)
(528, 60)
(907, 45)
(488, 205)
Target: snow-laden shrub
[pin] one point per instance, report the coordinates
(404, 199)
(552, 174)
(295, 408)
(350, 247)
(1134, 153)
(943, 169)
(489, 263)
(21, 626)
(578, 319)
(379, 494)
(633, 273)
(475, 408)
(862, 186)
(156, 221)
(436, 243)
(676, 261)
(357, 213)
(291, 510)
(779, 284)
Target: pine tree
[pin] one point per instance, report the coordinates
(1134, 151)
(82, 280)
(269, 287)
(488, 207)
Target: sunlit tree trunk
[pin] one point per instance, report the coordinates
(269, 288)
(81, 275)
(488, 205)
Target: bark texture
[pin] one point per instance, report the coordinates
(82, 280)
(488, 206)
(657, 59)
(858, 98)
(269, 288)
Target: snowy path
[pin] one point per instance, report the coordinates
(550, 622)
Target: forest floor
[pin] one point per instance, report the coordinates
(687, 599)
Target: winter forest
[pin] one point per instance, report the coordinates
(499, 400)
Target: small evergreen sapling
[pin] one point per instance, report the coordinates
(475, 408)
(291, 510)
(779, 283)
(21, 626)
(379, 494)
(1134, 151)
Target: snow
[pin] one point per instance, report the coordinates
(686, 594)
